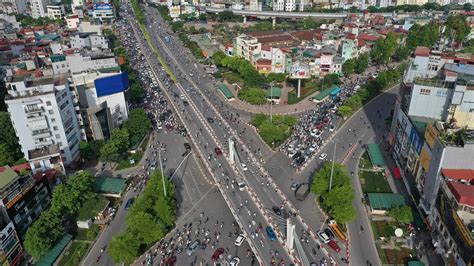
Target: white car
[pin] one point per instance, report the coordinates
(235, 261)
(331, 128)
(325, 238)
(244, 167)
(323, 156)
(313, 147)
(240, 239)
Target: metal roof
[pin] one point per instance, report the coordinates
(385, 201)
(223, 88)
(375, 154)
(110, 185)
(49, 258)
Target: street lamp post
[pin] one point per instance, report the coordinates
(335, 141)
(162, 174)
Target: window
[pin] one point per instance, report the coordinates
(425, 91)
(55, 128)
(58, 136)
(48, 103)
(51, 112)
(60, 144)
(53, 120)
(441, 93)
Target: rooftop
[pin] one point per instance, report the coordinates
(385, 201)
(110, 185)
(422, 51)
(434, 83)
(44, 151)
(463, 193)
(7, 175)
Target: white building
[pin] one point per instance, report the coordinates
(277, 57)
(88, 40)
(13, 6)
(43, 115)
(102, 101)
(38, 8)
(103, 11)
(77, 4)
(72, 22)
(78, 62)
(279, 5)
(254, 5)
(290, 5)
(247, 47)
(56, 11)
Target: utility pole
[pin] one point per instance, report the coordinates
(271, 100)
(162, 174)
(333, 159)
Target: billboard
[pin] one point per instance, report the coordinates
(430, 135)
(300, 71)
(102, 6)
(111, 84)
(416, 140)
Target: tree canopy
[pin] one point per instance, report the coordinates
(137, 123)
(10, 151)
(148, 220)
(337, 201)
(241, 66)
(457, 28)
(276, 132)
(66, 201)
(384, 49)
(253, 95)
(401, 214)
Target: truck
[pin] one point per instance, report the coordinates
(302, 192)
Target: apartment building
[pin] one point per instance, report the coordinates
(39, 8)
(13, 6)
(432, 135)
(247, 47)
(44, 118)
(276, 57)
(23, 197)
(11, 251)
(56, 11)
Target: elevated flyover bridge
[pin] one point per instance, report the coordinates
(282, 14)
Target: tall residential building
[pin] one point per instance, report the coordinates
(432, 134)
(38, 8)
(255, 5)
(11, 251)
(23, 197)
(13, 6)
(279, 5)
(44, 118)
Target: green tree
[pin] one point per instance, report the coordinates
(124, 248)
(361, 63)
(90, 149)
(321, 178)
(9, 147)
(225, 16)
(42, 234)
(121, 137)
(384, 49)
(426, 35)
(344, 111)
(457, 28)
(144, 227)
(202, 17)
(348, 67)
(401, 214)
(310, 23)
(110, 152)
(138, 124)
(254, 96)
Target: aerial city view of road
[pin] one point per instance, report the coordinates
(237, 133)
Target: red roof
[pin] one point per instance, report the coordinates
(266, 48)
(351, 36)
(449, 73)
(263, 61)
(422, 51)
(458, 174)
(464, 194)
(121, 60)
(469, 13)
(367, 37)
(49, 174)
(303, 35)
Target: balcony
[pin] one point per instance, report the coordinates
(33, 109)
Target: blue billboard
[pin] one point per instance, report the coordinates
(102, 6)
(111, 84)
(416, 140)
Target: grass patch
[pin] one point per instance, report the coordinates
(382, 255)
(255, 96)
(365, 162)
(276, 132)
(382, 229)
(232, 78)
(305, 92)
(91, 207)
(137, 156)
(73, 255)
(81, 234)
(374, 182)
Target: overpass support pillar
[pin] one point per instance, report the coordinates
(299, 87)
(290, 234)
(274, 21)
(245, 19)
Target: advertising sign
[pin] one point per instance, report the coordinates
(102, 6)
(416, 140)
(430, 135)
(300, 71)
